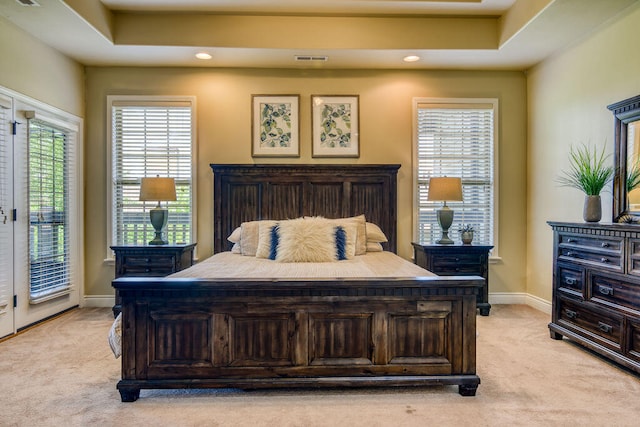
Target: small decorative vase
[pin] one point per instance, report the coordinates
(467, 237)
(592, 209)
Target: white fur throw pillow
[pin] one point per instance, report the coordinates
(264, 238)
(361, 231)
(309, 240)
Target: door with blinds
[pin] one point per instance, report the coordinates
(48, 222)
(6, 224)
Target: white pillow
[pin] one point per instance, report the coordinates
(375, 234)
(235, 236)
(374, 247)
(249, 238)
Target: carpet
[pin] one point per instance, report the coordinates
(62, 373)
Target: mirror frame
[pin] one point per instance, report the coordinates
(624, 112)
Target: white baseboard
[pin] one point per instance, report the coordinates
(99, 301)
(539, 303)
(520, 298)
(494, 298)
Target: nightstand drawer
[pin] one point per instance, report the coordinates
(599, 325)
(615, 292)
(133, 261)
(458, 260)
(130, 270)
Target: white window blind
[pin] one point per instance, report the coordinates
(49, 243)
(456, 139)
(150, 139)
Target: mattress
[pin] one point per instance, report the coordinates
(227, 265)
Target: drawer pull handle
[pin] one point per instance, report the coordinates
(570, 240)
(604, 260)
(605, 290)
(605, 328)
(605, 244)
(570, 281)
(571, 254)
(571, 314)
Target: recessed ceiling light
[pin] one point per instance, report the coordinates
(411, 58)
(203, 55)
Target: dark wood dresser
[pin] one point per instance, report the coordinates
(596, 288)
(150, 261)
(457, 260)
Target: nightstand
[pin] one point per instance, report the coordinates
(457, 260)
(150, 261)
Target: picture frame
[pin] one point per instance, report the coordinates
(275, 125)
(335, 126)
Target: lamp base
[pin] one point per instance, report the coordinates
(159, 218)
(158, 239)
(445, 240)
(445, 219)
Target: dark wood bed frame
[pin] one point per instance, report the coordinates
(204, 333)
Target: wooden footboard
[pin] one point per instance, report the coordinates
(185, 333)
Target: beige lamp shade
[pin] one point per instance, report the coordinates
(445, 188)
(157, 189)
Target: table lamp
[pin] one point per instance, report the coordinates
(443, 189)
(160, 190)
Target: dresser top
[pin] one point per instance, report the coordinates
(609, 226)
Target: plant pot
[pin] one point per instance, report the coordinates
(592, 209)
(467, 237)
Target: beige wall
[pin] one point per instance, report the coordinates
(224, 136)
(33, 69)
(567, 100)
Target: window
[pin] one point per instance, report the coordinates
(457, 138)
(48, 209)
(150, 137)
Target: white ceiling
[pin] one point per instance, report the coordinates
(452, 34)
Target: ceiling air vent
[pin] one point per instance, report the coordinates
(311, 58)
(28, 2)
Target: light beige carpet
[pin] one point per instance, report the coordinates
(62, 373)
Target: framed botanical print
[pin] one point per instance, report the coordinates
(335, 126)
(275, 126)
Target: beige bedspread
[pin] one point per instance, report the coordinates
(227, 265)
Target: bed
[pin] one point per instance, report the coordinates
(349, 324)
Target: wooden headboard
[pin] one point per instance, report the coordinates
(253, 192)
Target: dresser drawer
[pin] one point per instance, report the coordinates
(614, 292)
(570, 279)
(595, 324)
(601, 259)
(607, 244)
(634, 257)
(634, 338)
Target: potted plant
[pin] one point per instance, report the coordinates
(466, 233)
(589, 174)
